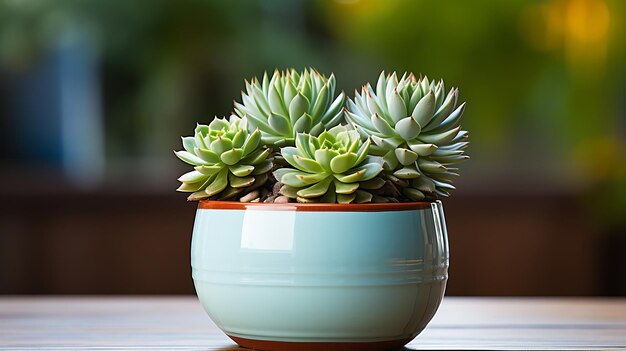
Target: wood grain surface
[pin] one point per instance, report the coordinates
(179, 323)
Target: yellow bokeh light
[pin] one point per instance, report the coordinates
(579, 29)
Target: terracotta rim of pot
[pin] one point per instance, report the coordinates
(312, 207)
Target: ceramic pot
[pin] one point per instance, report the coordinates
(320, 276)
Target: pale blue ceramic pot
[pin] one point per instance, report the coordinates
(320, 276)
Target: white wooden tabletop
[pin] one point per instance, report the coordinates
(179, 323)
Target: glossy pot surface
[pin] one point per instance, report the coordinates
(324, 276)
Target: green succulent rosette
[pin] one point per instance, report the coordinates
(228, 160)
(291, 103)
(414, 126)
(333, 167)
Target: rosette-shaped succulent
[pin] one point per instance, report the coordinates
(228, 160)
(291, 103)
(414, 125)
(334, 167)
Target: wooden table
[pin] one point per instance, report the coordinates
(179, 323)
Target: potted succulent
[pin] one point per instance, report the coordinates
(319, 223)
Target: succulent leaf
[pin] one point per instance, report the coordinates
(221, 145)
(188, 143)
(208, 170)
(408, 128)
(189, 157)
(256, 157)
(397, 107)
(382, 125)
(307, 164)
(303, 123)
(280, 124)
(300, 179)
(362, 197)
(241, 170)
(345, 188)
(345, 199)
(352, 177)
(315, 190)
(218, 184)
(232, 156)
(405, 157)
(373, 184)
(441, 138)
(423, 184)
(298, 107)
(239, 182)
(192, 177)
(406, 173)
(413, 194)
(324, 156)
(343, 162)
(263, 168)
(431, 166)
(422, 149)
(442, 113)
(423, 111)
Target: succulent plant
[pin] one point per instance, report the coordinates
(291, 103)
(401, 143)
(414, 126)
(334, 167)
(228, 160)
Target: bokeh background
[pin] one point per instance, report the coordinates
(94, 96)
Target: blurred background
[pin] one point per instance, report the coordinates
(94, 96)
